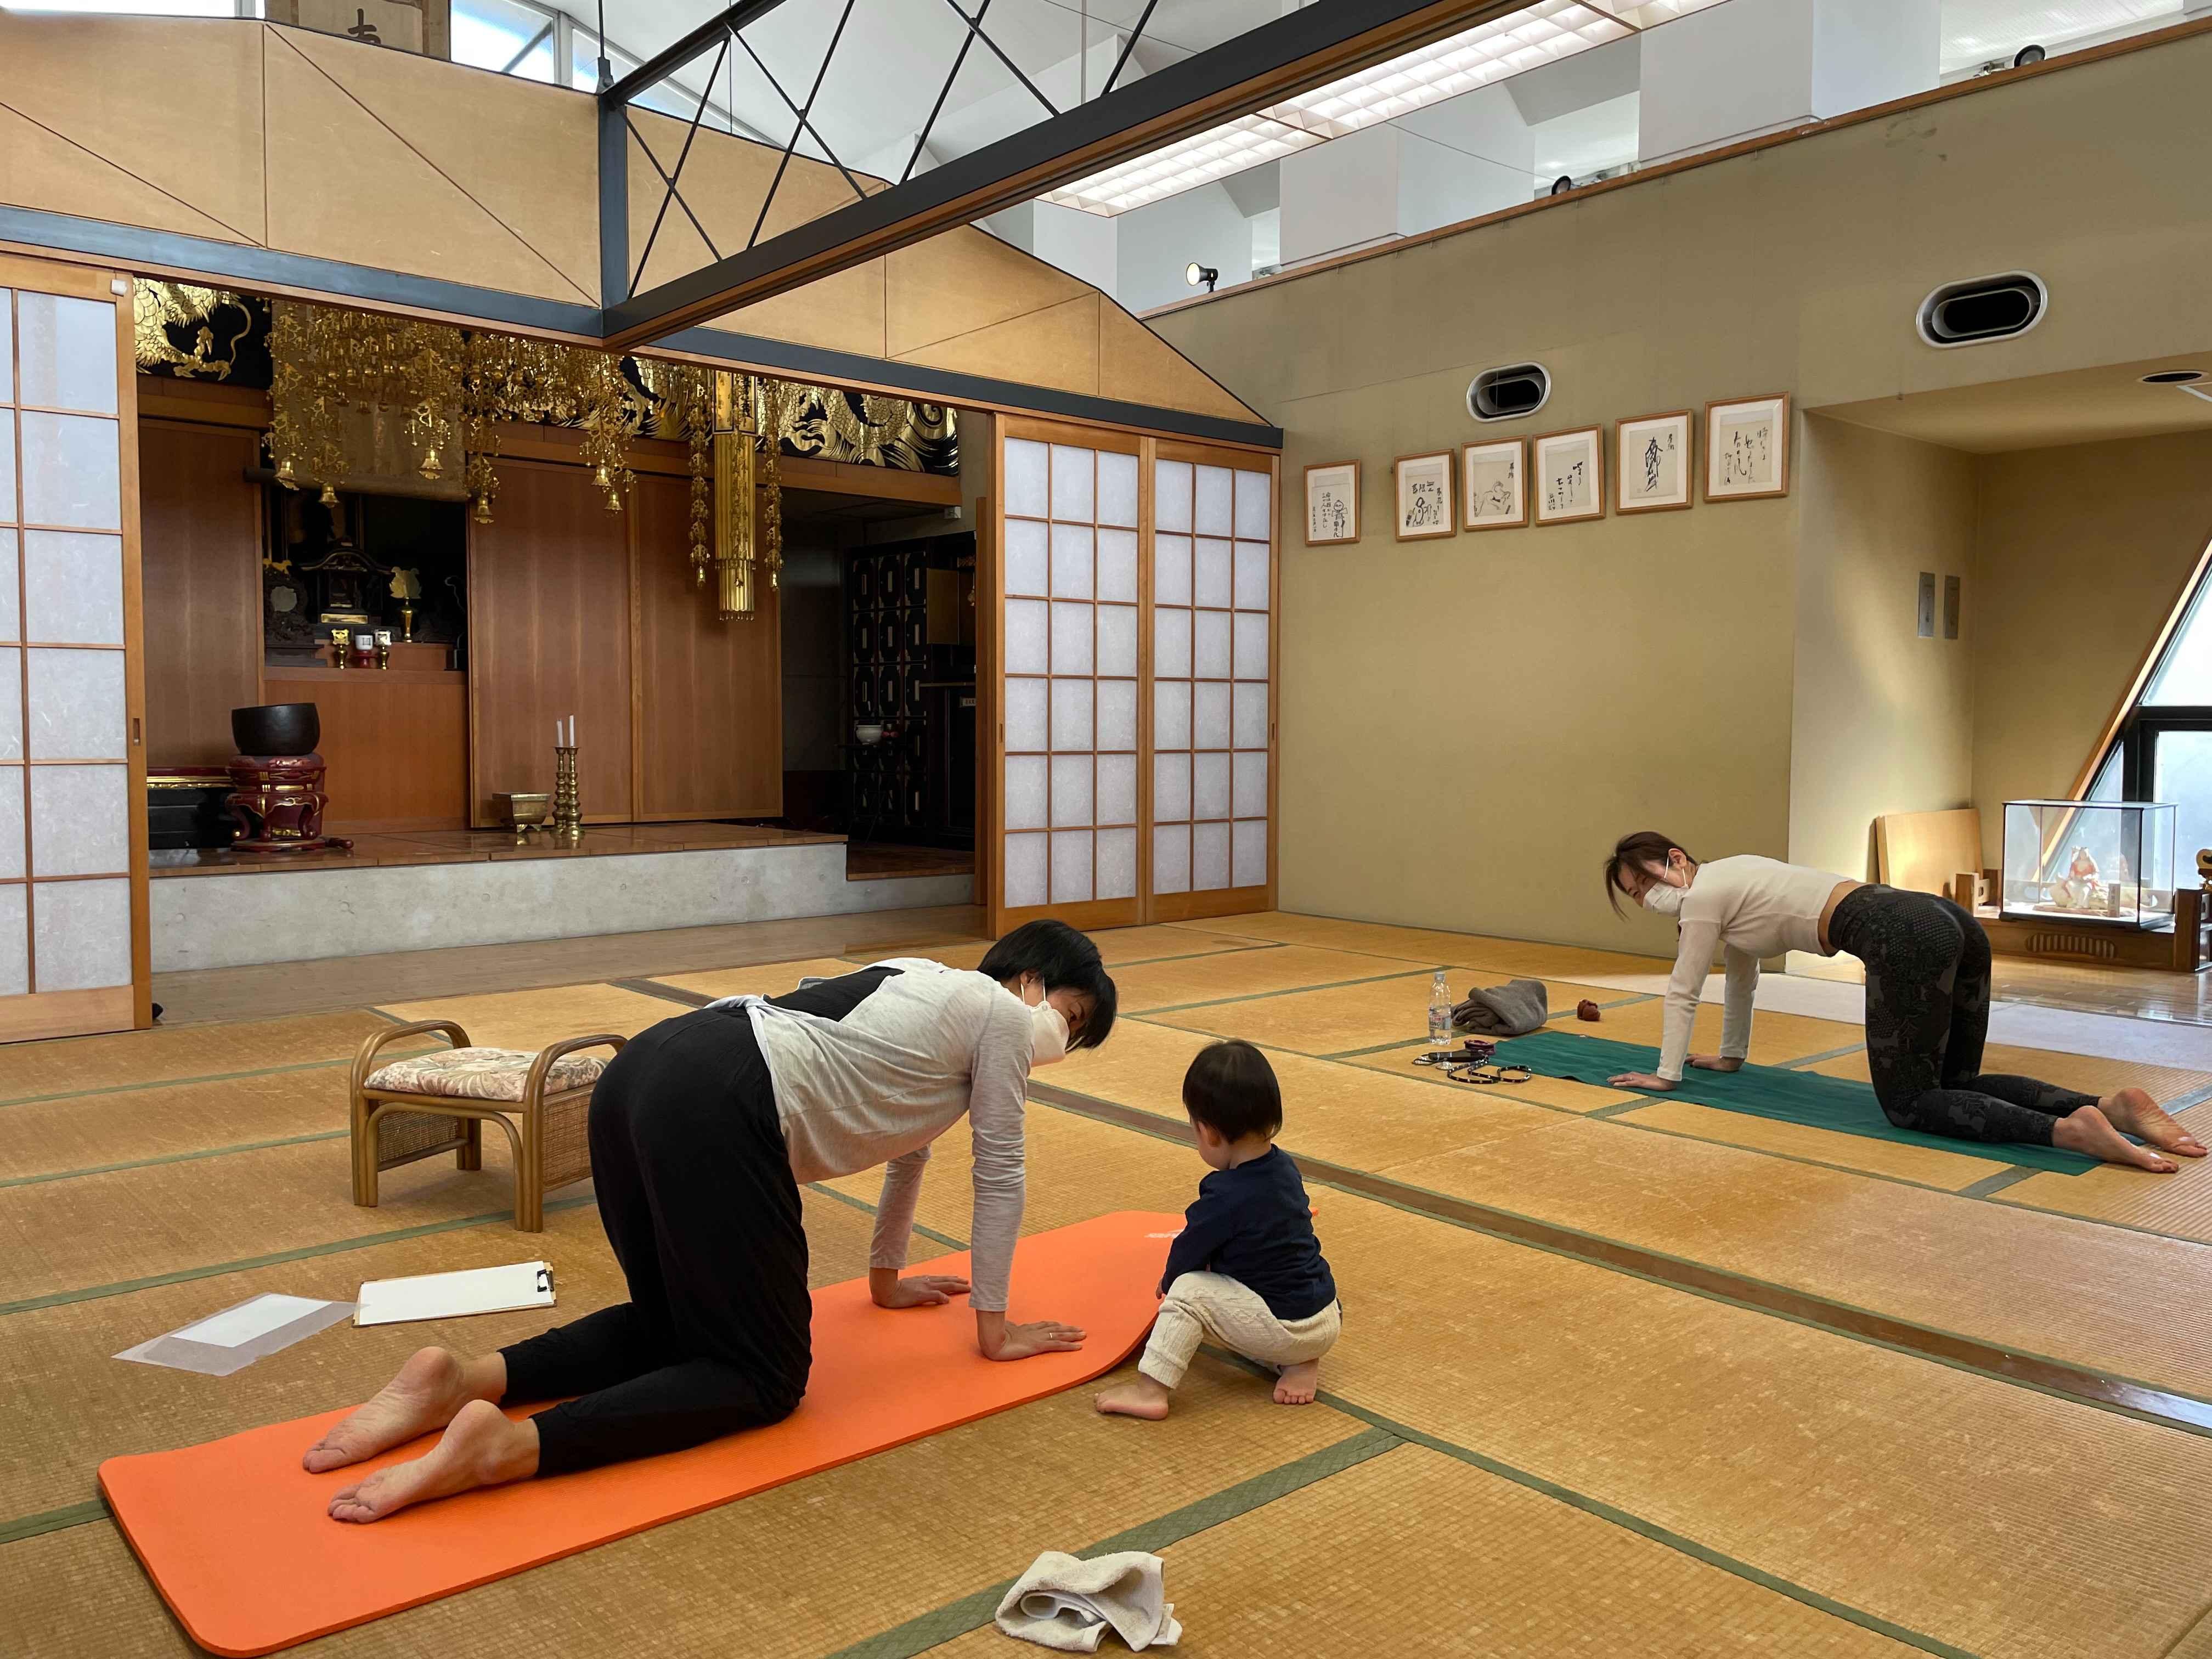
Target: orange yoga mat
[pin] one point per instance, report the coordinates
(235, 1533)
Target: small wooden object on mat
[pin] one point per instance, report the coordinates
(426, 1104)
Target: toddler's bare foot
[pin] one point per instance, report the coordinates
(1298, 1385)
(2086, 1129)
(1138, 1397)
(429, 1388)
(2133, 1112)
(481, 1449)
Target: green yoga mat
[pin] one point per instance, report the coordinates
(1823, 1102)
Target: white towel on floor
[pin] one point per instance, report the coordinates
(1069, 1604)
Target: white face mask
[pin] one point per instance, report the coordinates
(1047, 1035)
(1666, 900)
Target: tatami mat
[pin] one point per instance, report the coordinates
(97, 1229)
(174, 1120)
(1563, 1094)
(126, 1060)
(1333, 1571)
(765, 980)
(2038, 1283)
(1504, 956)
(1992, 1518)
(73, 1406)
(1330, 1110)
(532, 1019)
(1329, 1022)
(1250, 972)
(1928, 1165)
(803, 1570)
(2178, 1205)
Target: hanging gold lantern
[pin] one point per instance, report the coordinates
(735, 546)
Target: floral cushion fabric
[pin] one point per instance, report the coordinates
(483, 1074)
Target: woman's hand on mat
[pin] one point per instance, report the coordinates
(1643, 1082)
(1000, 1341)
(1717, 1062)
(887, 1289)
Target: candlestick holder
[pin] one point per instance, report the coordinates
(567, 814)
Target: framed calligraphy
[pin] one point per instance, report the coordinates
(1651, 456)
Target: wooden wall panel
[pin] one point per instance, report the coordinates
(202, 528)
(549, 636)
(396, 742)
(710, 692)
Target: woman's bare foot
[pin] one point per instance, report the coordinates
(1138, 1397)
(430, 1387)
(1298, 1385)
(2133, 1112)
(481, 1449)
(2086, 1129)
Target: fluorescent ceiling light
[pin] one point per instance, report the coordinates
(1536, 36)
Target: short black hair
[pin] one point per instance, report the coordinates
(1064, 960)
(1231, 1089)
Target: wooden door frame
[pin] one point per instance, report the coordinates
(69, 1013)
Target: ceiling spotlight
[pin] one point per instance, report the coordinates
(2173, 377)
(2027, 55)
(1194, 273)
(1563, 183)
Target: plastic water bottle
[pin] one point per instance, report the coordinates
(1440, 1012)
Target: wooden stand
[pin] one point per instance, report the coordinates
(2186, 950)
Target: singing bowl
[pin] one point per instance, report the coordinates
(276, 728)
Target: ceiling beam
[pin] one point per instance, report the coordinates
(1306, 48)
(665, 61)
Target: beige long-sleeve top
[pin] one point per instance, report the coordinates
(1747, 907)
(928, 1045)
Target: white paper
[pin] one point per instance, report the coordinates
(234, 1338)
(450, 1296)
(248, 1320)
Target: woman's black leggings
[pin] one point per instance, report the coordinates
(696, 1195)
(1927, 1016)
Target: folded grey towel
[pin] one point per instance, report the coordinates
(1069, 1604)
(1503, 1011)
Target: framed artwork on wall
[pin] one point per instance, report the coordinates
(1570, 476)
(1652, 452)
(1747, 449)
(1423, 487)
(1494, 484)
(1332, 503)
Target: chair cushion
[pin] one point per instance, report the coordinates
(483, 1074)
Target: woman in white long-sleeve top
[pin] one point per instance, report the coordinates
(702, 1130)
(1926, 999)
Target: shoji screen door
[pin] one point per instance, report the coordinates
(1213, 690)
(1130, 688)
(1068, 696)
(73, 940)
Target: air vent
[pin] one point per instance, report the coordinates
(1507, 394)
(2174, 377)
(1982, 309)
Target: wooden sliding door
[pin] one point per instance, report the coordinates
(1131, 741)
(74, 955)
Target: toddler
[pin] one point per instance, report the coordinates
(1246, 1270)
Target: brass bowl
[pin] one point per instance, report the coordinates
(522, 811)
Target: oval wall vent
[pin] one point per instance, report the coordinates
(1983, 308)
(1508, 393)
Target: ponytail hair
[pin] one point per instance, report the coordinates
(1643, 847)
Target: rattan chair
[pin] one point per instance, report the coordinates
(425, 1104)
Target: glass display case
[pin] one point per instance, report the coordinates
(2110, 863)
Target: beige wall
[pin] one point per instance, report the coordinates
(2081, 554)
(1466, 725)
(1882, 719)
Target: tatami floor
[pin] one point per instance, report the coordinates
(1619, 1376)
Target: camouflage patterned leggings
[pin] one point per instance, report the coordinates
(1927, 1015)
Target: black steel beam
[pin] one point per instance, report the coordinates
(614, 201)
(665, 61)
(1308, 47)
